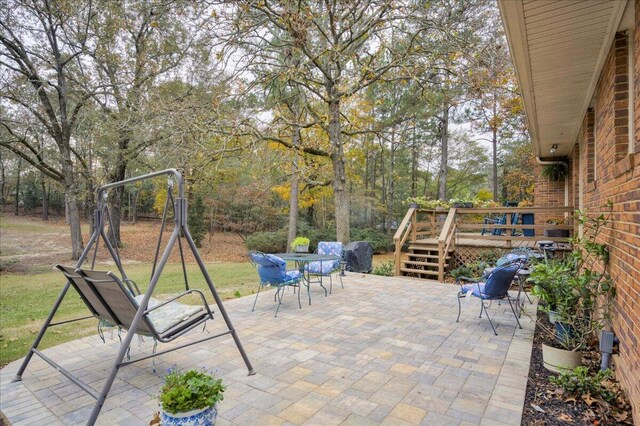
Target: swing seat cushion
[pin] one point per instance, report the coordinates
(171, 314)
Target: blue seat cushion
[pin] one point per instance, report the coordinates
(322, 268)
(473, 288)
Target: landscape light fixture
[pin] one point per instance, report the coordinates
(553, 148)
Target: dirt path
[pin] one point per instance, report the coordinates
(28, 243)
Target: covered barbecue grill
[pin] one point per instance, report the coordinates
(358, 256)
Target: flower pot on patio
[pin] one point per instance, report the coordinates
(559, 360)
(556, 233)
(301, 249)
(203, 417)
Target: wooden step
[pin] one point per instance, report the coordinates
(415, 262)
(419, 271)
(428, 256)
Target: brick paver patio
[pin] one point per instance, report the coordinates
(380, 351)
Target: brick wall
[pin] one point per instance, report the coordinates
(617, 179)
(547, 193)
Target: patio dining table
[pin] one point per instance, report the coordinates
(302, 259)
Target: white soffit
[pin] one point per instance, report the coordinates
(558, 48)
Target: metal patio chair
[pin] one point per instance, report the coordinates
(495, 287)
(326, 268)
(273, 272)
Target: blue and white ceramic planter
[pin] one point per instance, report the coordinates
(203, 417)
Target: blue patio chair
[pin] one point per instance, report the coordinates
(273, 272)
(495, 287)
(325, 268)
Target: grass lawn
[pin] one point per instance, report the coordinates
(26, 299)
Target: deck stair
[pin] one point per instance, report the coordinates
(421, 259)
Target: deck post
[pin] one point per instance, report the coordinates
(414, 230)
(508, 231)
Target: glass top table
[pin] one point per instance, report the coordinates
(301, 259)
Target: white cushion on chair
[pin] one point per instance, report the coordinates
(169, 315)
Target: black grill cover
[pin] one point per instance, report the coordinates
(358, 256)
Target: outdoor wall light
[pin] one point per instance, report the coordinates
(553, 148)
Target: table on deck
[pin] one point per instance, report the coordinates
(302, 259)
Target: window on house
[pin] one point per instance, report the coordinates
(631, 62)
(621, 94)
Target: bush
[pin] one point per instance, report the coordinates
(579, 382)
(379, 240)
(489, 256)
(268, 242)
(386, 269)
(461, 271)
(197, 225)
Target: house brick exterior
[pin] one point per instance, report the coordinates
(603, 169)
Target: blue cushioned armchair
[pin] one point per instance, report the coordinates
(273, 272)
(495, 287)
(326, 268)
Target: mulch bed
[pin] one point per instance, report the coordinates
(545, 404)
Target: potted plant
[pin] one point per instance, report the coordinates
(557, 233)
(461, 203)
(555, 172)
(582, 301)
(300, 244)
(190, 398)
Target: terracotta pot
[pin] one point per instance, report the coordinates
(559, 360)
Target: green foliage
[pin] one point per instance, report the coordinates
(237, 294)
(300, 241)
(386, 269)
(555, 172)
(379, 240)
(551, 285)
(461, 271)
(489, 256)
(197, 225)
(579, 289)
(268, 242)
(484, 195)
(428, 203)
(191, 390)
(579, 382)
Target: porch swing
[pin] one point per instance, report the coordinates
(118, 302)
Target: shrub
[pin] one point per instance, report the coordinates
(197, 225)
(191, 390)
(461, 271)
(386, 269)
(579, 382)
(379, 240)
(268, 242)
(489, 256)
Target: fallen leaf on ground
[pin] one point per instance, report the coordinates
(621, 417)
(537, 408)
(565, 418)
(588, 399)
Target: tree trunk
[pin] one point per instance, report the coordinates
(45, 201)
(17, 202)
(115, 203)
(444, 154)
(341, 195)
(293, 194)
(71, 202)
(494, 146)
(414, 164)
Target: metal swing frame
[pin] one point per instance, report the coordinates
(180, 217)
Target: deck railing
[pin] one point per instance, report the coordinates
(448, 227)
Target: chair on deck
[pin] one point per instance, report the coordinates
(325, 268)
(495, 287)
(273, 272)
(515, 218)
